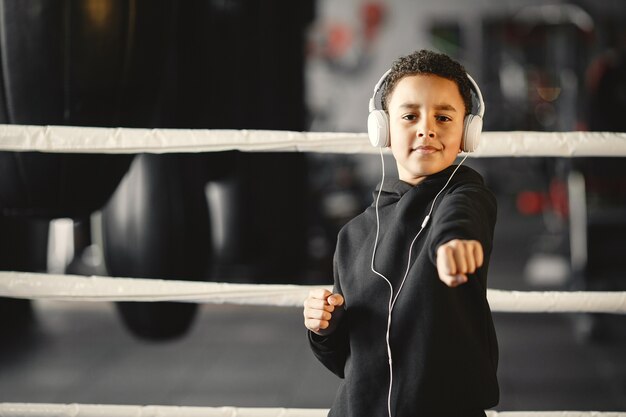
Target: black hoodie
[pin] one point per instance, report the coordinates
(443, 341)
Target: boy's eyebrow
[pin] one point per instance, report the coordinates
(443, 106)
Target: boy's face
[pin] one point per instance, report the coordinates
(426, 117)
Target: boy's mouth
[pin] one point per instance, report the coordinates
(425, 149)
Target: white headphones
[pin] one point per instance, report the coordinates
(378, 120)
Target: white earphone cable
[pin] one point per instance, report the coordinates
(392, 299)
(390, 307)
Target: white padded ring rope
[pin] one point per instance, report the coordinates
(93, 410)
(78, 288)
(127, 140)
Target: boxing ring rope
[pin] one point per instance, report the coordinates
(63, 139)
(131, 140)
(93, 410)
(78, 288)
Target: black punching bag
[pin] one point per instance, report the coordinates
(63, 63)
(85, 63)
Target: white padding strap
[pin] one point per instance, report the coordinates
(127, 140)
(78, 288)
(92, 410)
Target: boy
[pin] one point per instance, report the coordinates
(414, 337)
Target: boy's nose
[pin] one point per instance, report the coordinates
(424, 129)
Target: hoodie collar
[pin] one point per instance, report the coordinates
(394, 189)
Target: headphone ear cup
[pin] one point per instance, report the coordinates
(471, 132)
(378, 128)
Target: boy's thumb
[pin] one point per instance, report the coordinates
(335, 300)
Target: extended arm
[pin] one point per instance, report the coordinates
(463, 231)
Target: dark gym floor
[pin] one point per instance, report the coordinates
(258, 356)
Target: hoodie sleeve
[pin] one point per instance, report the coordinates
(467, 211)
(332, 349)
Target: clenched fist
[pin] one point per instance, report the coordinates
(456, 259)
(322, 311)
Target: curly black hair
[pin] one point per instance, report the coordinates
(427, 62)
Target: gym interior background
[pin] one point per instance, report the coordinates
(273, 217)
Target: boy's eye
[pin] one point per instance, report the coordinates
(442, 118)
(409, 117)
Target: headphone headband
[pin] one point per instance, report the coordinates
(473, 85)
(372, 103)
(479, 95)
